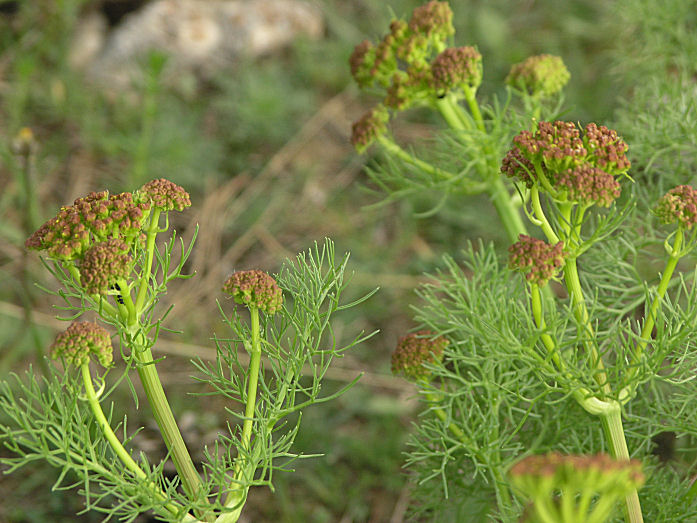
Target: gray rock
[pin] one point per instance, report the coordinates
(199, 37)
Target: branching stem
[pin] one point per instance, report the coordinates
(116, 445)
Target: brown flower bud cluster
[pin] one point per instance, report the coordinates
(413, 350)
(255, 289)
(166, 195)
(81, 340)
(103, 264)
(588, 185)
(370, 126)
(542, 477)
(538, 260)
(579, 167)
(93, 218)
(678, 205)
(541, 75)
(457, 68)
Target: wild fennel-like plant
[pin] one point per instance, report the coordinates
(104, 252)
(508, 371)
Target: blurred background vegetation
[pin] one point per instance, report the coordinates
(263, 148)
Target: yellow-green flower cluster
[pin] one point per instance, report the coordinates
(541, 75)
(80, 341)
(580, 480)
(255, 288)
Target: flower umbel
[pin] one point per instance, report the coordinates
(79, 341)
(103, 265)
(678, 205)
(93, 218)
(166, 195)
(457, 68)
(255, 288)
(588, 185)
(413, 350)
(538, 260)
(541, 75)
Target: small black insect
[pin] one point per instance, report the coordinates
(119, 298)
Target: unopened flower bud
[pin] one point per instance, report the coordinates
(255, 289)
(541, 75)
(538, 260)
(24, 143)
(80, 341)
(103, 264)
(678, 205)
(457, 68)
(370, 126)
(166, 195)
(414, 350)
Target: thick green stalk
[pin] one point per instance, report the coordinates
(115, 443)
(612, 425)
(165, 420)
(149, 377)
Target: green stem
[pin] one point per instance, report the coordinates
(237, 495)
(115, 443)
(573, 285)
(538, 316)
(449, 110)
(165, 420)
(151, 235)
(506, 209)
(650, 320)
(541, 217)
(471, 98)
(612, 425)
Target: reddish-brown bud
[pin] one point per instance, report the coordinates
(678, 205)
(79, 341)
(414, 350)
(166, 195)
(538, 260)
(255, 289)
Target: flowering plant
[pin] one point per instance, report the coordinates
(104, 252)
(563, 360)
